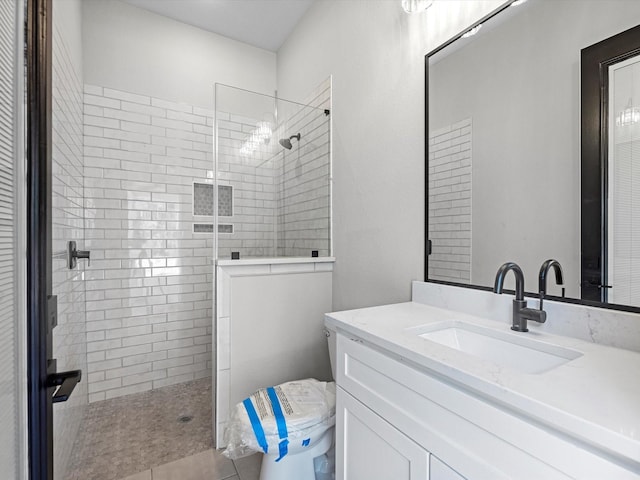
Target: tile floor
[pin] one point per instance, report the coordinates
(142, 437)
(208, 465)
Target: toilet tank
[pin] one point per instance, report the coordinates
(332, 340)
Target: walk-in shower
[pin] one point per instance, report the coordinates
(164, 201)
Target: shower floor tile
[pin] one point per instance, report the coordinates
(128, 435)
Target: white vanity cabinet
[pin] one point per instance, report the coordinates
(400, 421)
(373, 448)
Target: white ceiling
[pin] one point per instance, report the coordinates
(262, 23)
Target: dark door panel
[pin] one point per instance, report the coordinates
(41, 310)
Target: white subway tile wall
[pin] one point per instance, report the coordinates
(69, 337)
(149, 286)
(450, 156)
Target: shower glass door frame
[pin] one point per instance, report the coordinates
(40, 304)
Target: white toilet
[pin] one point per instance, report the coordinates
(318, 437)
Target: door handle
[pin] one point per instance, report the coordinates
(66, 383)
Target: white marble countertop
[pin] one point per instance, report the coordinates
(594, 398)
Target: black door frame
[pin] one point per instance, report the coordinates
(40, 316)
(594, 74)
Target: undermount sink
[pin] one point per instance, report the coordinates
(512, 350)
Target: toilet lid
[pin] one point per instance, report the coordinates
(272, 417)
(304, 404)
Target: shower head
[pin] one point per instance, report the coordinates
(286, 142)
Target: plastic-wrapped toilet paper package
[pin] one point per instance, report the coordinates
(273, 417)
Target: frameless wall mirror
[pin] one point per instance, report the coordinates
(504, 151)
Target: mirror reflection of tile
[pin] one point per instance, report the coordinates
(203, 200)
(450, 185)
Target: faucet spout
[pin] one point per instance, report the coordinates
(542, 279)
(502, 272)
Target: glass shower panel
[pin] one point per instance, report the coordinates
(272, 171)
(67, 224)
(245, 124)
(302, 181)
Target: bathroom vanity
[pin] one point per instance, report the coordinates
(437, 393)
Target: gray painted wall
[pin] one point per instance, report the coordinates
(130, 49)
(375, 52)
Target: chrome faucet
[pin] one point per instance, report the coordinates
(521, 314)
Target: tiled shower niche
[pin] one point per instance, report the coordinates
(203, 206)
(225, 201)
(203, 200)
(279, 197)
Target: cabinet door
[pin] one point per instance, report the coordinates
(369, 448)
(442, 471)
